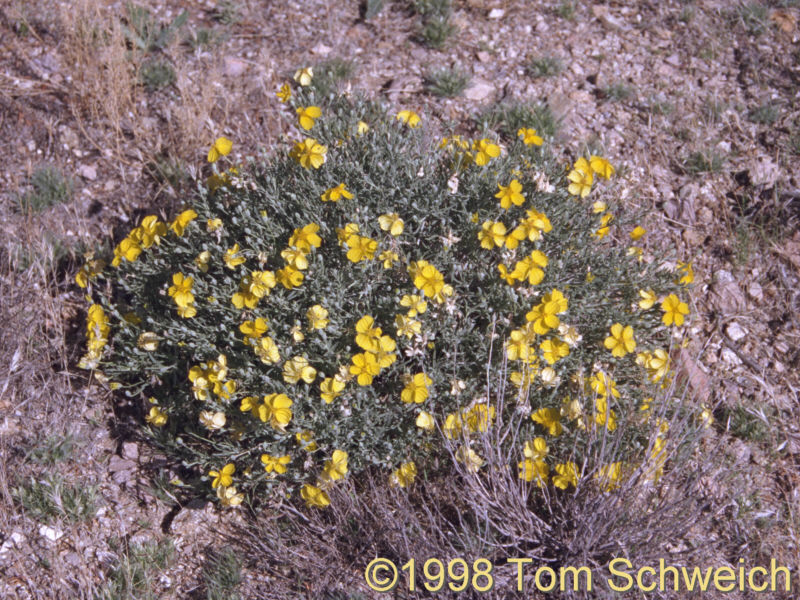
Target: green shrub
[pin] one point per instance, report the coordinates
(49, 187)
(327, 311)
(447, 82)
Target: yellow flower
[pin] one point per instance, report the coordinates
(181, 290)
(404, 475)
(202, 260)
(604, 228)
(362, 128)
(361, 248)
(554, 350)
(601, 166)
(232, 257)
(391, 223)
(306, 440)
(365, 367)
(289, 277)
(309, 153)
(314, 496)
(408, 117)
(485, 151)
(330, 388)
(416, 390)
(305, 238)
(253, 330)
(182, 220)
(604, 416)
(688, 273)
(535, 449)
(303, 76)
(389, 257)
(479, 417)
(367, 336)
(406, 326)
(529, 137)
(212, 420)
(156, 417)
(609, 476)
(648, 299)
(267, 350)
(276, 410)
(599, 206)
(416, 305)
(674, 311)
(129, 249)
(222, 147)
(334, 194)
(550, 419)
(317, 317)
(213, 224)
(620, 341)
(275, 463)
(284, 93)
(295, 258)
(637, 233)
(427, 279)
(470, 458)
(510, 194)
(147, 341)
(453, 427)
(603, 385)
(336, 467)
(297, 368)
(223, 477)
(425, 421)
(533, 469)
(297, 333)
(492, 234)
(567, 475)
(580, 182)
(307, 114)
(228, 496)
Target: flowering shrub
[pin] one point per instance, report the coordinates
(347, 304)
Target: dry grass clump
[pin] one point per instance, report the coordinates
(454, 513)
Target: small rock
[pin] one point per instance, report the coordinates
(233, 67)
(755, 291)
(321, 49)
(729, 356)
(15, 540)
(88, 172)
(130, 450)
(50, 533)
(483, 56)
(479, 90)
(496, 13)
(764, 172)
(735, 331)
(726, 296)
(117, 464)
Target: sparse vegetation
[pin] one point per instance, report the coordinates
(703, 161)
(156, 74)
(50, 498)
(544, 66)
(766, 114)
(223, 575)
(49, 186)
(618, 91)
(147, 34)
(508, 117)
(136, 570)
(447, 83)
(331, 74)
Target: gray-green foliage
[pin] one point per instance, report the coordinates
(51, 498)
(444, 197)
(49, 186)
